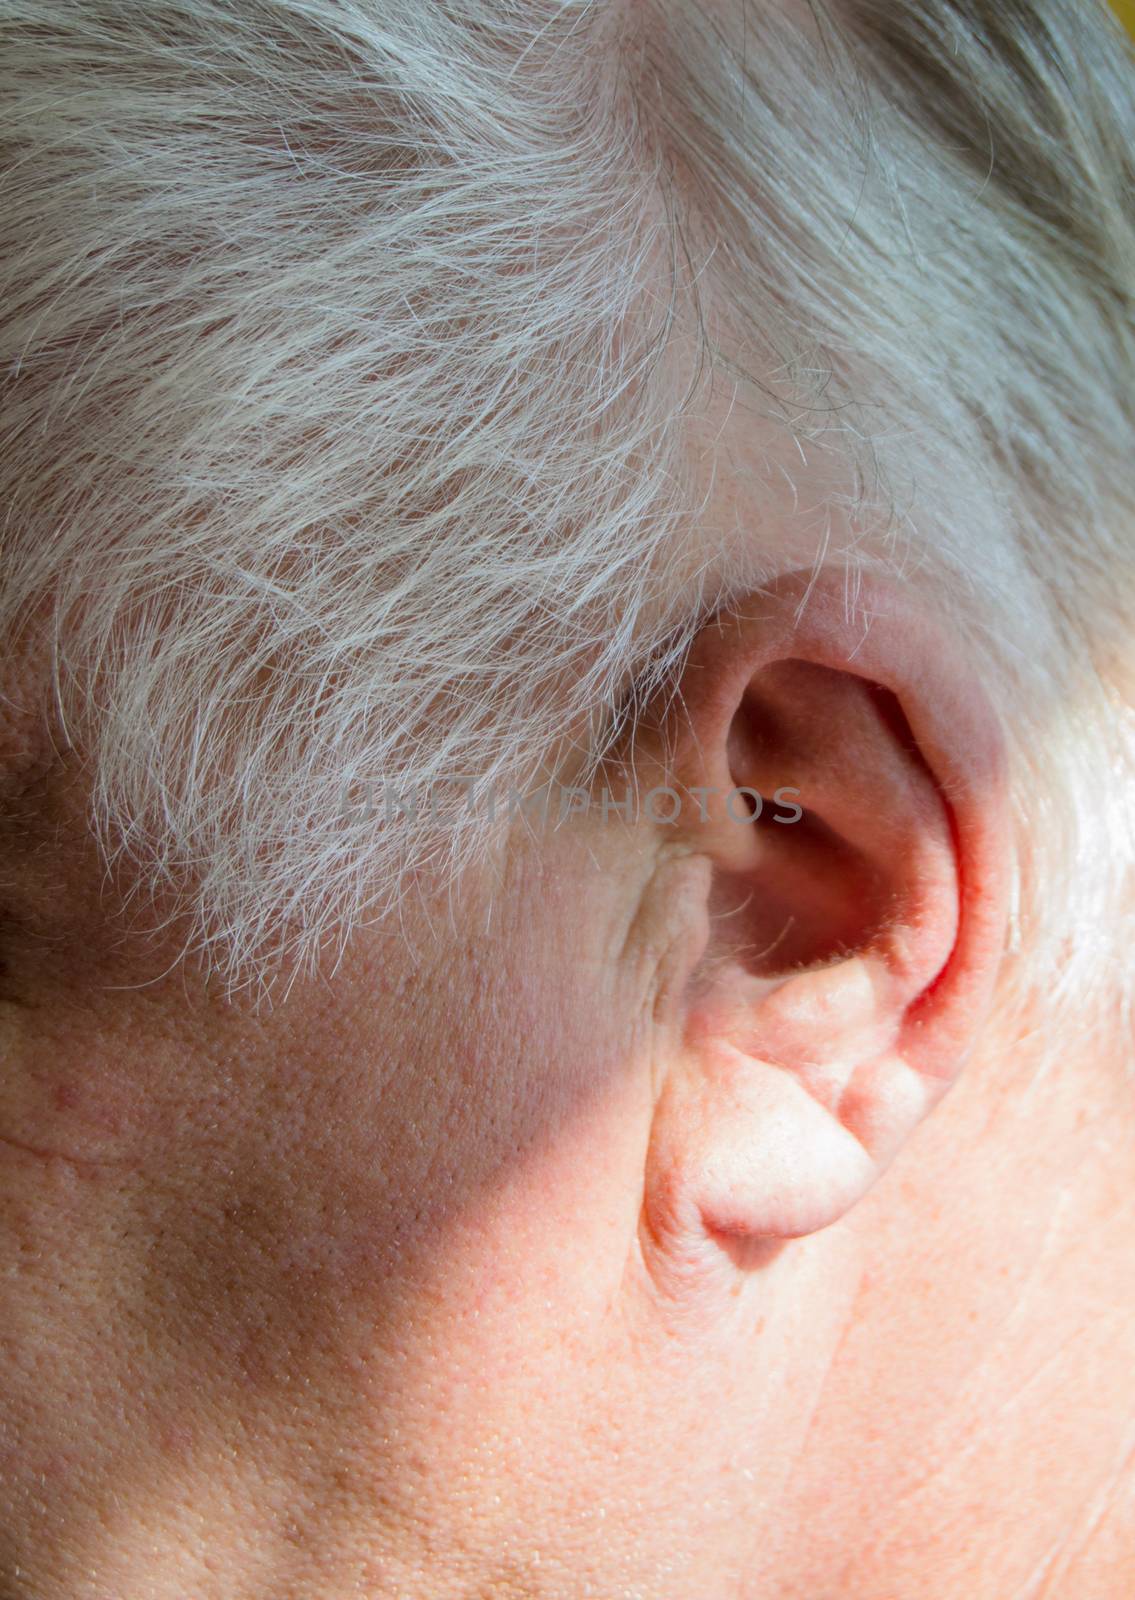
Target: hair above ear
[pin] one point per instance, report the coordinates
(851, 955)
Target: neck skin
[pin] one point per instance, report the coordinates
(993, 1334)
(304, 1304)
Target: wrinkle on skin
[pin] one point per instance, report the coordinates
(995, 1402)
(799, 1455)
(82, 1164)
(1070, 1548)
(996, 1413)
(969, 1402)
(831, 1365)
(1077, 1544)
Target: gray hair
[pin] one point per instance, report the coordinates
(354, 353)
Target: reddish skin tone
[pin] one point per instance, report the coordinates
(590, 1255)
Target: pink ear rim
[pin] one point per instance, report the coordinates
(958, 734)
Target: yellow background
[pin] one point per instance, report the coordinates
(1126, 11)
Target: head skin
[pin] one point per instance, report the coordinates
(692, 1206)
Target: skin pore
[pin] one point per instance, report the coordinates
(420, 1284)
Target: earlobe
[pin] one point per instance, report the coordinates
(853, 953)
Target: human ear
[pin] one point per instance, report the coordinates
(850, 956)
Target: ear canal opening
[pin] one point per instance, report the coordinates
(811, 901)
(814, 897)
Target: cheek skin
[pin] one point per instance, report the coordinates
(543, 1382)
(516, 1290)
(570, 1396)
